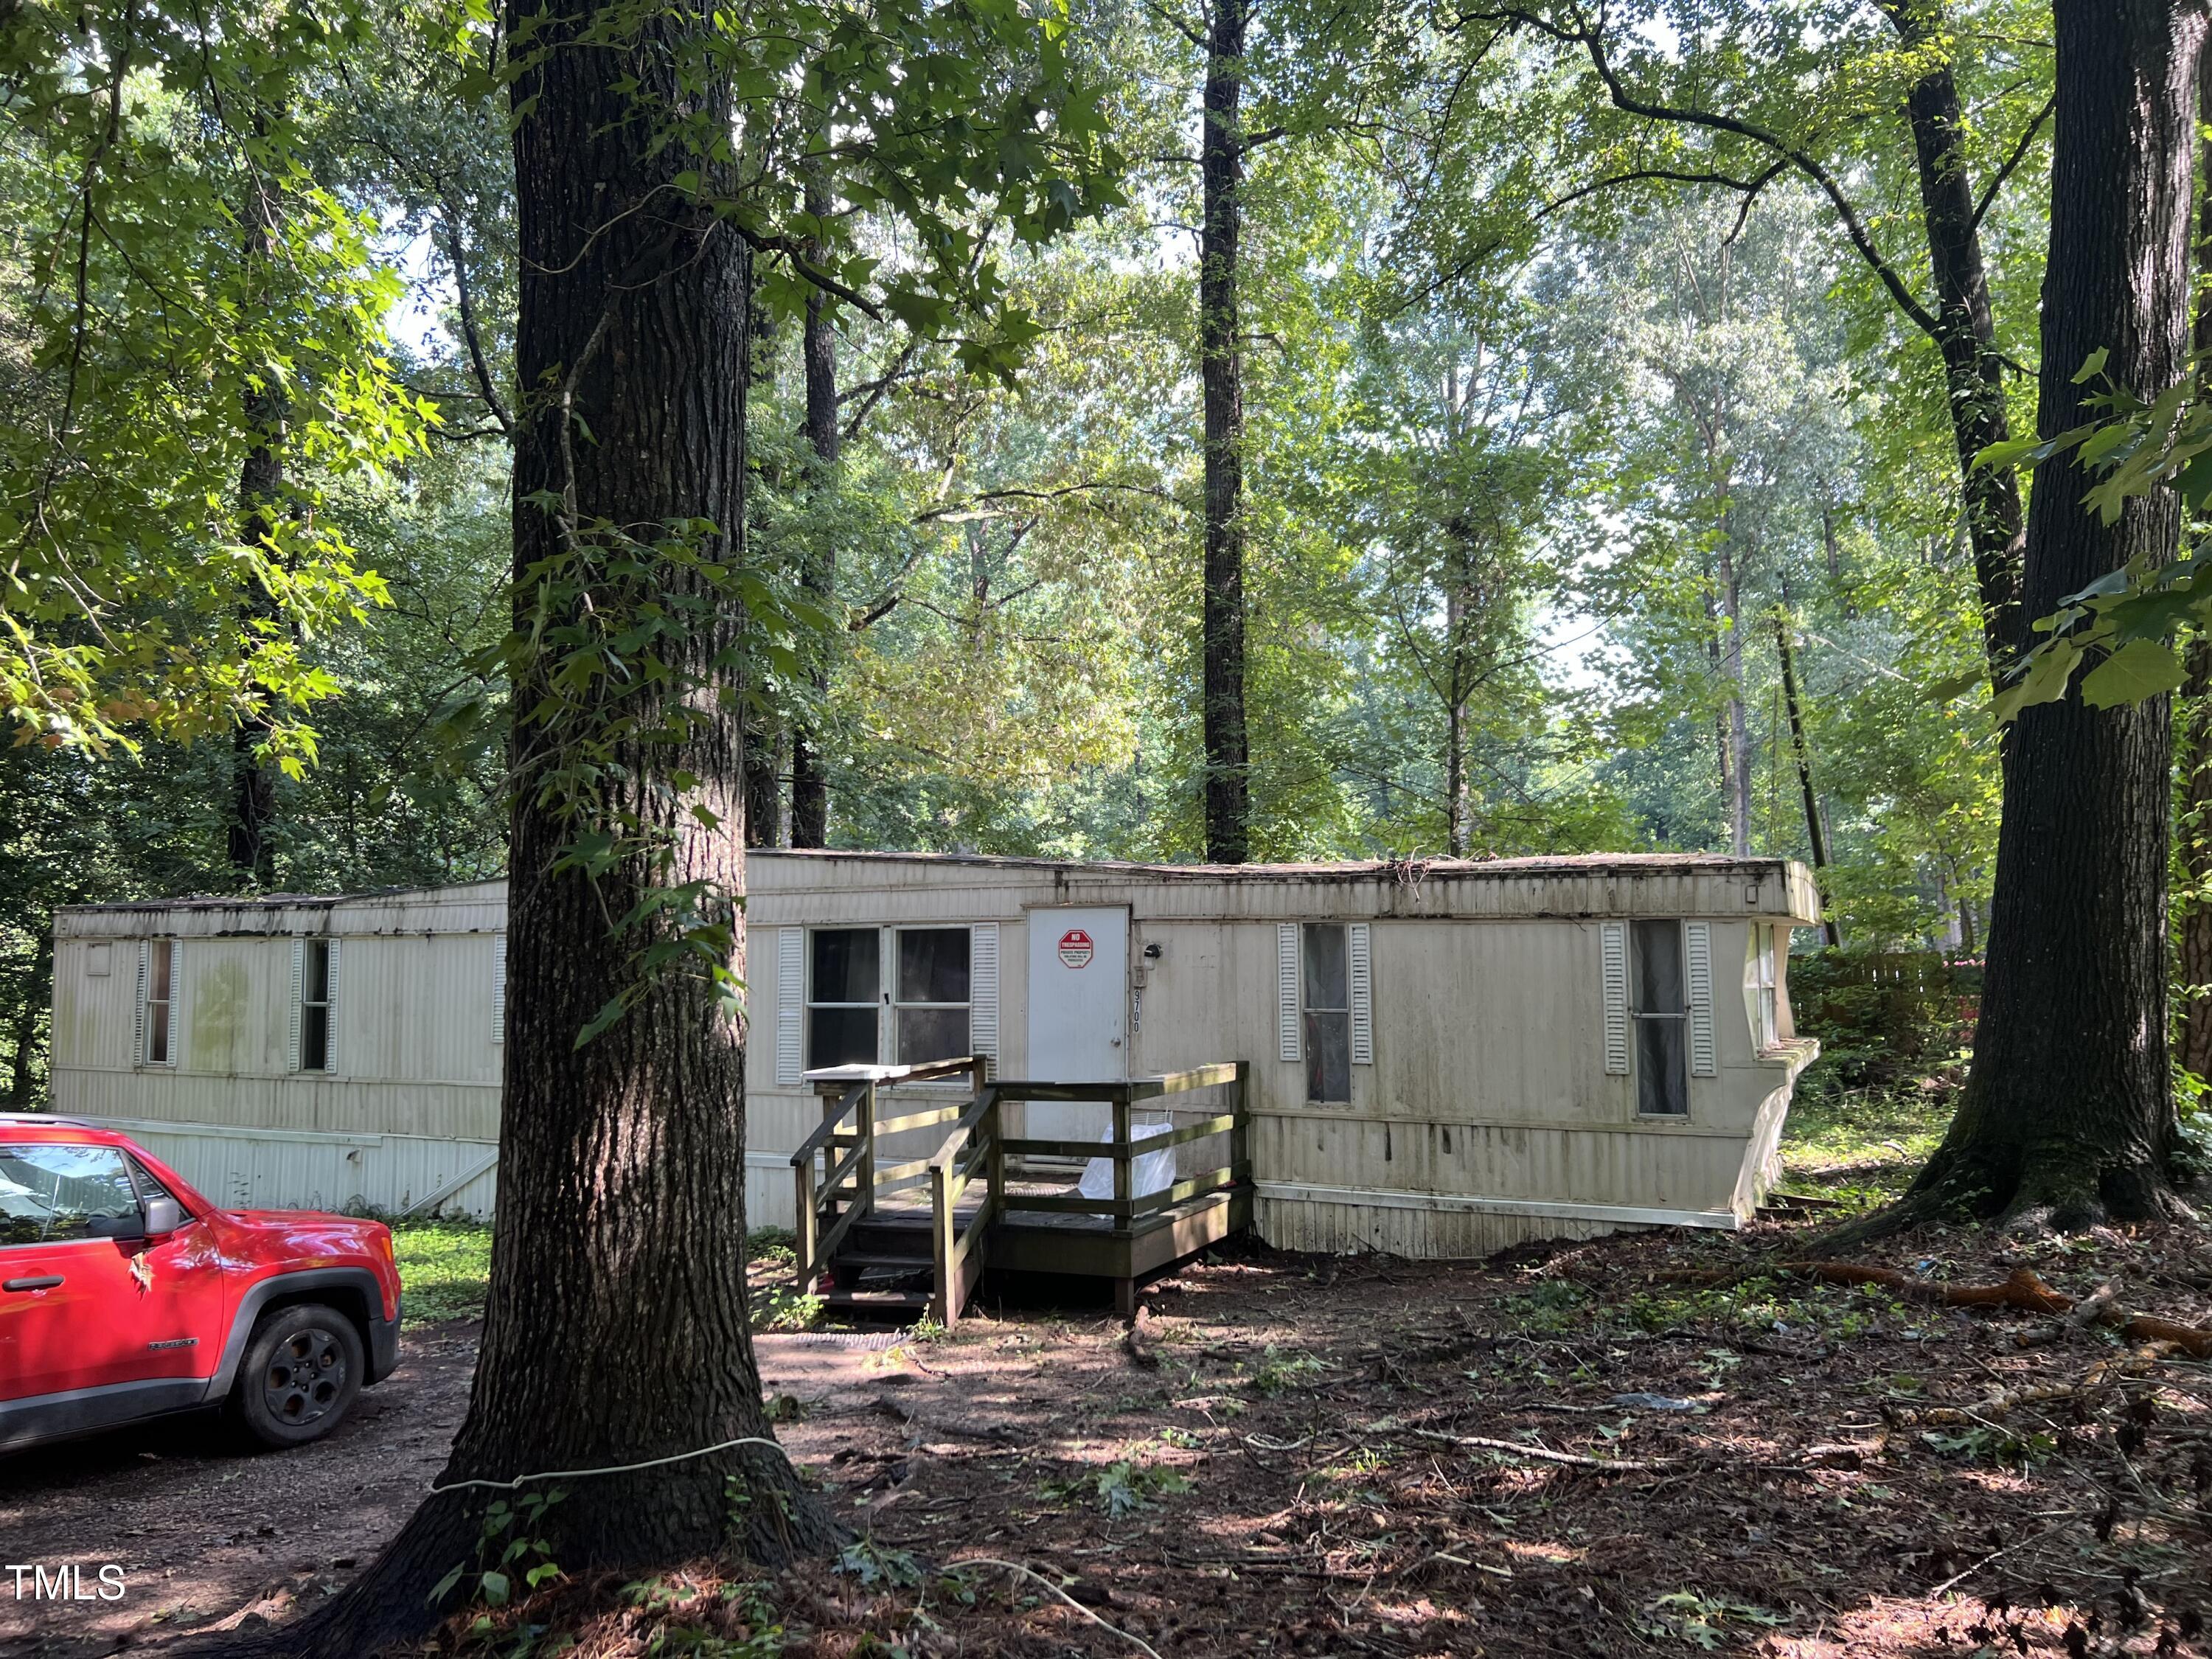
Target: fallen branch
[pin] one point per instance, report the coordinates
(2098, 1379)
(2021, 1290)
(1137, 1641)
(952, 1427)
(1542, 1453)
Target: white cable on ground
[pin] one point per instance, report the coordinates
(613, 1469)
(1026, 1572)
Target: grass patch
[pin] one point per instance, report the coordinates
(1862, 1146)
(444, 1269)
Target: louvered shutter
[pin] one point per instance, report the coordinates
(983, 993)
(1286, 987)
(331, 1014)
(1612, 948)
(499, 988)
(138, 1024)
(1698, 972)
(1362, 1012)
(299, 990)
(790, 1003)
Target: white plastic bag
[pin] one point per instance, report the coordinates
(1149, 1172)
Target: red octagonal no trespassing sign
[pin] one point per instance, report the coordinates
(1075, 948)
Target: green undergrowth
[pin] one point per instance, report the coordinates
(445, 1270)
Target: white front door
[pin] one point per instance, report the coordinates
(1079, 995)
(1078, 1013)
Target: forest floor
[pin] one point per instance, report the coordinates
(1645, 1445)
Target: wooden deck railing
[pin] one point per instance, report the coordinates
(839, 1181)
(834, 1172)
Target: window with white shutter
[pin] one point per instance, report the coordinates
(1697, 938)
(1286, 990)
(499, 988)
(299, 978)
(316, 1009)
(157, 997)
(1612, 950)
(790, 1004)
(1361, 956)
(983, 992)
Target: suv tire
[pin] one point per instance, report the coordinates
(302, 1367)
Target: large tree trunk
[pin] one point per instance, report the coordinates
(1973, 372)
(2068, 1113)
(1221, 354)
(617, 1328)
(810, 786)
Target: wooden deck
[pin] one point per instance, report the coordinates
(920, 1234)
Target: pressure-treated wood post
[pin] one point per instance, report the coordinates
(1240, 1149)
(946, 1304)
(1124, 1182)
(864, 1172)
(802, 1174)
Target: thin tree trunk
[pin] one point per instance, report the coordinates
(617, 1329)
(1973, 372)
(2068, 1113)
(261, 482)
(1455, 695)
(38, 994)
(1221, 173)
(2193, 1037)
(1738, 774)
(1802, 751)
(810, 788)
(763, 726)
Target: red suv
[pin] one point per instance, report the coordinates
(125, 1294)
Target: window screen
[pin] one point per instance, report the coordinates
(1769, 1031)
(315, 1008)
(932, 1003)
(844, 987)
(1328, 1010)
(1658, 1007)
(160, 993)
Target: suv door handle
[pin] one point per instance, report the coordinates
(45, 1283)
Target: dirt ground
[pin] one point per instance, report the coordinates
(1671, 1464)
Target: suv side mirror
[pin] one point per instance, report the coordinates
(123, 1227)
(163, 1217)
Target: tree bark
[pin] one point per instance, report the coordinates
(260, 483)
(810, 786)
(38, 994)
(1973, 372)
(2067, 1115)
(617, 1329)
(1802, 751)
(1221, 173)
(2193, 1035)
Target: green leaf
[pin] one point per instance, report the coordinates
(2092, 367)
(2136, 671)
(496, 1589)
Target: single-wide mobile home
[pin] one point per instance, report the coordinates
(1442, 1057)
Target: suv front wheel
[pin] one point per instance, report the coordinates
(302, 1367)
